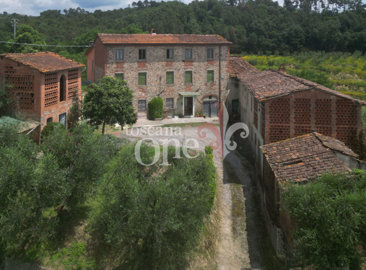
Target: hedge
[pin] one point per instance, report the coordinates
(155, 108)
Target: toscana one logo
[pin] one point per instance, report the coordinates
(218, 137)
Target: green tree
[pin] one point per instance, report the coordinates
(4, 98)
(27, 34)
(108, 102)
(151, 218)
(83, 154)
(330, 218)
(28, 196)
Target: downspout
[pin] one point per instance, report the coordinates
(219, 77)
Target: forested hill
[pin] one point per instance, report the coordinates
(260, 26)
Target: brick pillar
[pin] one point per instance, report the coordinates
(312, 110)
(292, 116)
(333, 116)
(267, 124)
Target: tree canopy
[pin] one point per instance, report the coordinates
(109, 101)
(330, 220)
(254, 26)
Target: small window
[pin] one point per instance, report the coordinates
(210, 76)
(188, 54)
(62, 88)
(169, 77)
(142, 78)
(119, 76)
(142, 54)
(169, 103)
(210, 53)
(188, 77)
(141, 105)
(62, 119)
(170, 54)
(49, 120)
(119, 54)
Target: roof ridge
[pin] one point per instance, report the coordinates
(317, 86)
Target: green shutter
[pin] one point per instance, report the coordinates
(120, 76)
(142, 78)
(210, 75)
(188, 77)
(170, 77)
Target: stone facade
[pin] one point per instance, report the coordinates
(35, 94)
(102, 61)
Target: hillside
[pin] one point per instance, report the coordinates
(260, 27)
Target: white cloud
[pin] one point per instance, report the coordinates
(35, 7)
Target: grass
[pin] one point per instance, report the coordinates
(344, 72)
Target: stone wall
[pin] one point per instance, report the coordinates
(156, 65)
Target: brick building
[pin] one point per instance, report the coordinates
(277, 106)
(188, 71)
(42, 85)
(300, 160)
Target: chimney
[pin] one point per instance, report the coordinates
(152, 31)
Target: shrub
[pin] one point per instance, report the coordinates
(151, 217)
(330, 219)
(155, 108)
(49, 128)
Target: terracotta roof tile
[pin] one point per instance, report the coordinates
(156, 39)
(272, 83)
(43, 61)
(306, 157)
(239, 67)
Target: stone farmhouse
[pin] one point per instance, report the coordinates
(300, 159)
(42, 85)
(188, 71)
(277, 106)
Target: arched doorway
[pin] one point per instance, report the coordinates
(62, 88)
(210, 106)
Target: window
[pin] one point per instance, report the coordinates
(210, 53)
(142, 78)
(62, 88)
(119, 54)
(188, 77)
(169, 77)
(210, 76)
(49, 120)
(141, 105)
(170, 54)
(188, 54)
(62, 119)
(120, 76)
(142, 54)
(169, 103)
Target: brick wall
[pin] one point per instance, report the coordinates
(36, 95)
(312, 110)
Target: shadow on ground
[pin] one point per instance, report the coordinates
(239, 169)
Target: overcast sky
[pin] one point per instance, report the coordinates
(34, 7)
